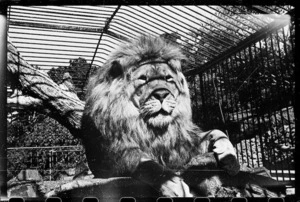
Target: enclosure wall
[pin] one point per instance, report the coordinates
(250, 95)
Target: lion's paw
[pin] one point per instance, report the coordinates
(229, 163)
(226, 156)
(175, 187)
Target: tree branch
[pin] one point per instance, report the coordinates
(24, 101)
(43, 91)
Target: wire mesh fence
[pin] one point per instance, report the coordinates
(240, 69)
(51, 162)
(36, 141)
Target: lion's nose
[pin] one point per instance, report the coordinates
(161, 94)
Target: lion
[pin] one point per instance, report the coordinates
(138, 120)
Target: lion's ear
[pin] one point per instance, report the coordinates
(176, 64)
(116, 69)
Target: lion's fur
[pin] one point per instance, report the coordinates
(116, 135)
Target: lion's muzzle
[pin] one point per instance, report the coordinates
(160, 94)
(160, 102)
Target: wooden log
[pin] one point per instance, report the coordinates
(53, 100)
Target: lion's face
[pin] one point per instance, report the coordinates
(138, 99)
(158, 91)
(141, 81)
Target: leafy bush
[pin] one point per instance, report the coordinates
(44, 132)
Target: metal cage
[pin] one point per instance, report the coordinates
(240, 64)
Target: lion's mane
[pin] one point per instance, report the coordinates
(112, 126)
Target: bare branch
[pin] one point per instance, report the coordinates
(24, 101)
(60, 104)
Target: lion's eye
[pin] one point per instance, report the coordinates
(143, 78)
(169, 78)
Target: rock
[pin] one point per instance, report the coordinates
(29, 175)
(65, 175)
(70, 171)
(62, 176)
(25, 184)
(24, 190)
(82, 171)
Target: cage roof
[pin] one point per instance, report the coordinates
(51, 36)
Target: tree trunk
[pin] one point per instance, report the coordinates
(41, 93)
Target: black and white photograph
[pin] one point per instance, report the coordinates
(105, 102)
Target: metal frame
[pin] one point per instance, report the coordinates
(136, 19)
(45, 40)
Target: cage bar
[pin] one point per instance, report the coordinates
(228, 56)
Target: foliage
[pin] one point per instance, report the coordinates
(260, 77)
(79, 70)
(242, 93)
(233, 95)
(42, 131)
